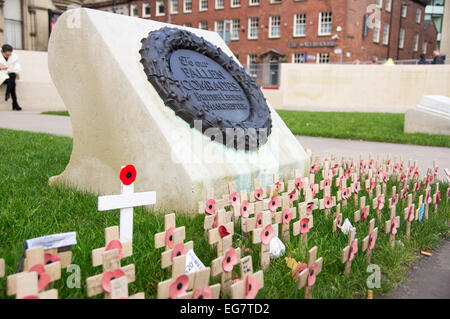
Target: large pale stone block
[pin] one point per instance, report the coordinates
(118, 118)
(431, 116)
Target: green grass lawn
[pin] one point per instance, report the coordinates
(30, 208)
(382, 127)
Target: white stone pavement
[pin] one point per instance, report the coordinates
(320, 146)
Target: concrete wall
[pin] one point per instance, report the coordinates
(35, 89)
(362, 88)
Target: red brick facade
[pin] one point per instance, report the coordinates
(347, 29)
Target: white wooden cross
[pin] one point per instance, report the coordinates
(409, 215)
(224, 264)
(349, 252)
(392, 225)
(370, 241)
(27, 287)
(125, 202)
(35, 262)
(265, 234)
(307, 276)
(250, 283)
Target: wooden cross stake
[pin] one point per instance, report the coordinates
(2, 268)
(217, 265)
(265, 234)
(349, 252)
(409, 215)
(27, 286)
(370, 240)
(216, 236)
(307, 276)
(111, 242)
(392, 225)
(250, 283)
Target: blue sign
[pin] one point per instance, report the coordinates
(420, 213)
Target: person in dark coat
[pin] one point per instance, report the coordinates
(422, 59)
(438, 58)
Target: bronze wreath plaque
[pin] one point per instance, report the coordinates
(201, 83)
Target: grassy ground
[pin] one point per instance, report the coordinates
(29, 208)
(382, 127)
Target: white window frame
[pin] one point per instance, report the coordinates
(132, 8)
(386, 31)
(145, 5)
(203, 25)
(253, 3)
(380, 4)
(184, 6)
(235, 3)
(296, 57)
(157, 5)
(321, 14)
(216, 24)
(275, 1)
(217, 4)
(401, 39)
(319, 58)
(404, 11)
(235, 28)
(252, 27)
(299, 20)
(388, 5)
(253, 73)
(188, 25)
(273, 19)
(418, 15)
(201, 8)
(424, 47)
(172, 11)
(376, 31)
(416, 42)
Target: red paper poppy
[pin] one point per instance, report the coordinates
(245, 208)
(402, 177)
(128, 174)
(252, 287)
(364, 213)
(411, 213)
(429, 179)
(396, 167)
(428, 197)
(405, 192)
(353, 250)
(296, 272)
(372, 240)
(287, 216)
(304, 226)
(346, 193)
(380, 202)
(417, 186)
(371, 163)
(203, 293)
(223, 232)
(356, 188)
(436, 169)
(312, 271)
(259, 220)
(313, 188)
(298, 183)
(327, 182)
(31, 297)
(234, 199)
(43, 277)
(178, 250)
(372, 183)
(169, 237)
(394, 225)
(51, 258)
(274, 203)
(411, 169)
(339, 221)
(179, 286)
(115, 244)
(267, 234)
(278, 186)
(416, 172)
(365, 168)
(259, 194)
(309, 208)
(110, 275)
(210, 206)
(438, 197)
(328, 202)
(394, 199)
(229, 260)
(292, 196)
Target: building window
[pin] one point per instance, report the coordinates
(416, 42)
(146, 10)
(219, 27)
(160, 8)
(134, 10)
(388, 5)
(299, 58)
(235, 3)
(418, 15)
(252, 65)
(253, 3)
(173, 6)
(376, 32)
(401, 39)
(424, 47)
(404, 10)
(380, 4)
(220, 4)
(325, 23)
(386, 34)
(275, 1)
(187, 6)
(203, 5)
(188, 24)
(274, 26)
(300, 25)
(323, 58)
(203, 25)
(235, 25)
(253, 24)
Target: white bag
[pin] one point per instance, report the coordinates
(277, 248)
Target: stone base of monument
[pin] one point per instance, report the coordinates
(431, 116)
(119, 118)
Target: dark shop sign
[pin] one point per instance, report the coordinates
(318, 44)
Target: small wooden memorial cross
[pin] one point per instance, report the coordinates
(302, 227)
(250, 283)
(428, 201)
(258, 193)
(277, 188)
(263, 235)
(216, 236)
(224, 264)
(111, 270)
(349, 252)
(392, 225)
(355, 190)
(28, 287)
(112, 242)
(126, 201)
(363, 211)
(370, 241)
(436, 197)
(378, 203)
(307, 276)
(327, 202)
(409, 215)
(119, 289)
(2, 268)
(35, 262)
(210, 205)
(284, 217)
(179, 283)
(337, 222)
(201, 288)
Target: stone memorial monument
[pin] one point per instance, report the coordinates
(173, 101)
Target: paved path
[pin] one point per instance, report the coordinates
(429, 278)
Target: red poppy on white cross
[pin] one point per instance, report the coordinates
(224, 264)
(27, 287)
(328, 201)
(409, 215)
(216, 236)
(126, 201)
(307, 276)
(370, 240)
(263, 235)
(392, 225)
(349, 252)
(35, 263)
(250, 283)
